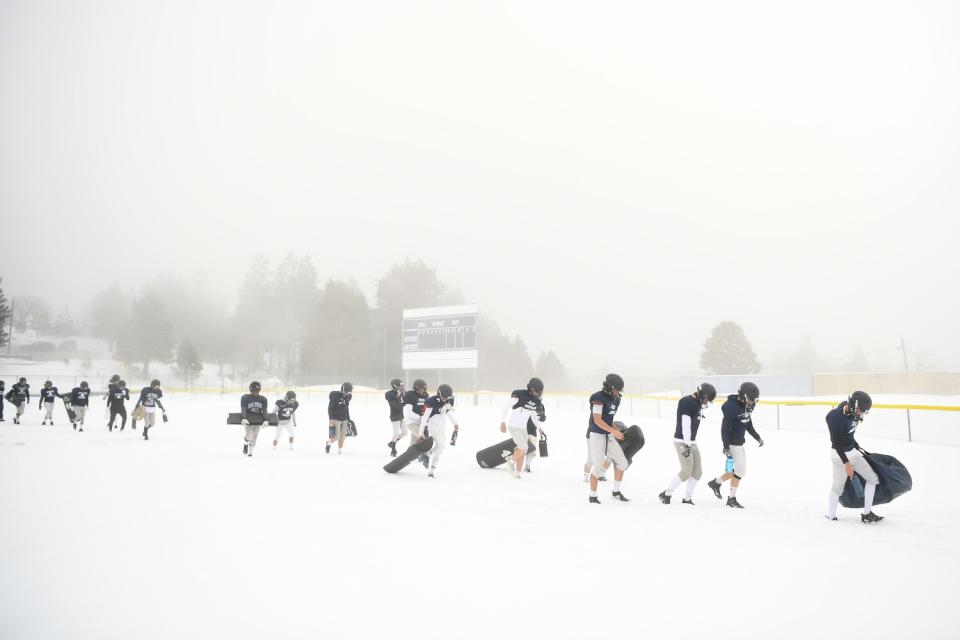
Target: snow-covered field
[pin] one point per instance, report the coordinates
(103, 535)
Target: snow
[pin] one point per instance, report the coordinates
(103, 535)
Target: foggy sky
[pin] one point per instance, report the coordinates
(609, 180)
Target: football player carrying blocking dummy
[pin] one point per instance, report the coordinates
(286, 420)
(414, 402)
(534, 431)
(736, 423)
(338, 411)
(19, 396)
(847, 456)
(433, 423)
(117, 395)
(150, 400)
(253, 415)
(394, 398)
(684, 441)
(524, 405)
(605, 438)
(48, 398)
(79, 401)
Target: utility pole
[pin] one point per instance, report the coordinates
(13, 301)
(906, 368)
(903, 349)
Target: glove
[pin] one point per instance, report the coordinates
(245, 422)
(760, 442)
(685, 451)
(726, 451)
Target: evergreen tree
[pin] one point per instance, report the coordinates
(4, 319)
(148, 336)
(110, 314)
(341, 336)
(858, 362)
(408, 285)
(727, 351)
(554, 375)
(805, 360)
(188, 362)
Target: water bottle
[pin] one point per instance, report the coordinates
(857, 487)
(729, 466)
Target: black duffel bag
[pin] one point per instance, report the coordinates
(895, 481)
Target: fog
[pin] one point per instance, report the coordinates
(608, 180)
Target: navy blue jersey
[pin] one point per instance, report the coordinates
(842, 428)
(253, 405)
(395, 399)
(117, 395)
(150, 397)
(435, 405)
(736, 423)
(339, 406)
(416, 402)
(609, 405)
(688, 406)
(20, 390)
(80, 397)
(523, 398)
(285, 409)
(49, 394)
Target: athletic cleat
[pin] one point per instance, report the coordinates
(870, 518)
(327, 449)
(432, 473)
(250, 452)
(425, 461)
(687, 501)
(393, 448)
(81, 429)
(664, 498)
(715, 487)
(594, 500)
(834, 518)
(145, 436)
(620, 497)
(245, 447)
(732, 502)
(74, 426)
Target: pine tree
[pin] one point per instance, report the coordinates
(148, 336)
(4, 319)
(188, 362)
(727, 351)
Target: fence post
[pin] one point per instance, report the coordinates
(778, 417)
(909, 428)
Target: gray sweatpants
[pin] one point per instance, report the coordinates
(860, 465)
(739, 454)
(689, 466)
(251, 433)
(604, 445)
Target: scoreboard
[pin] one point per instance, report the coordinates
(440, 338)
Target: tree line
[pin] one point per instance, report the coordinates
(288, 324)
